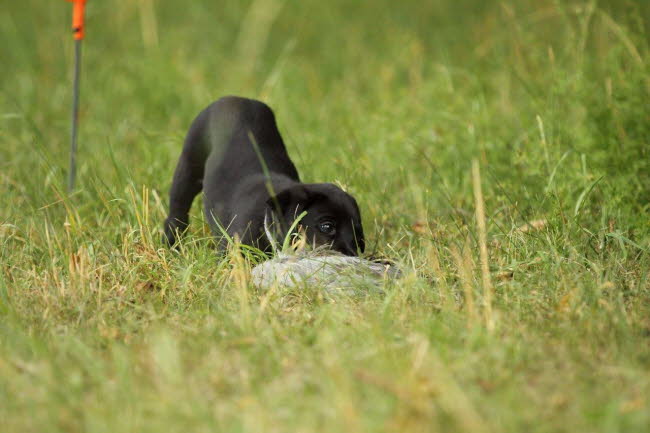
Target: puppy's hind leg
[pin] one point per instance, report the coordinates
(187, 183)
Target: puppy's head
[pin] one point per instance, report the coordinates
(332, 218)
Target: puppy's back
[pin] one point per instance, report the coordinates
(232, 126)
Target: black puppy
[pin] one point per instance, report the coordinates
(223, 154)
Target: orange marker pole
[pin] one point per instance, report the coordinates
(78, 32)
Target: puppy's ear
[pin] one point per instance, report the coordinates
(289, 202)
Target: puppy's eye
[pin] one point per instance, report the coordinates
(327, 227)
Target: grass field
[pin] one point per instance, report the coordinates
(104, 330)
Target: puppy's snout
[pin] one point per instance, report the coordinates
(349, 248)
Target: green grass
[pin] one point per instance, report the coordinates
(102, 329)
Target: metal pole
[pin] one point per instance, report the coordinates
(75, 115)
(78, 32)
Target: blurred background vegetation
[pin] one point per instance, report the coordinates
(448, 80)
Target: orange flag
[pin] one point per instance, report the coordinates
(78, 18)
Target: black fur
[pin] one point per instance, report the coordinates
(220, 157)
